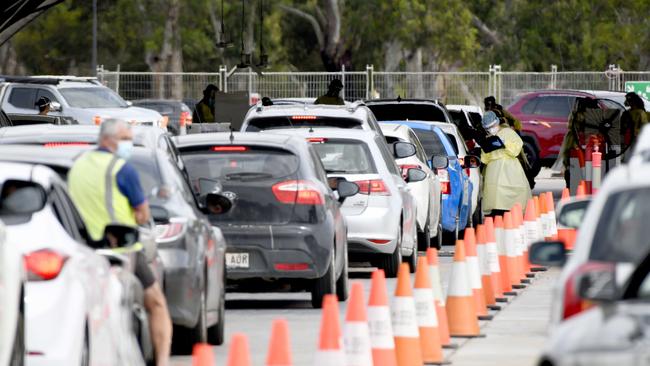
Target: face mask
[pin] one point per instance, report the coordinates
(124, 149)
(493, 130)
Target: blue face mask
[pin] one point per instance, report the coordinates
(124, 149)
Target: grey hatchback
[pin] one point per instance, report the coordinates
(285, 228)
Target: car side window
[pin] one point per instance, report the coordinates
(553, 106)
(318, 166)
(610, 104)
(47, 94)
(23, 98)
(78, 225)
(419, 150)
(454, 143)
(62, 214)
(529, 107)
(173, 173)
(388, 157)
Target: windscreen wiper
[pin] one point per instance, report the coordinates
(247, 176)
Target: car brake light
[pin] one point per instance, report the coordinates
(185, 119)
(66, 143)
(301, 192)
(573, 303)
(405, 169)
(229, 148)
(97, 120)
(291, 266)
(303, 117)
(44, 264)
(445, 185)
(379, 241)
(317, 140)
(172, 230)
(374, 187)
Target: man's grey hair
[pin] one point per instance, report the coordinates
(111, 127)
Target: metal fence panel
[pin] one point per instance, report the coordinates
(450, 87)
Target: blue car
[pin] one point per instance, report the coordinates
(456, 186)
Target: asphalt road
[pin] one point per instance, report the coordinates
(514, 337)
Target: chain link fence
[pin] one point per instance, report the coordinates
(450, 87)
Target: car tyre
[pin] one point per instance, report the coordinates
(342, 288)
(477, 217)
(533, 157)
(18, 350)
(424, 238)
(390, 262)
(216, 332)
(323, 286)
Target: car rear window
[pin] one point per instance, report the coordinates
(345, 156)
(391, 139)
(623, 233)
(407, 111)
(459, 117)
(431, 143)
(239, 163)
(270, 123)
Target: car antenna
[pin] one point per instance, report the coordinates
(399, 99)
(232, 135)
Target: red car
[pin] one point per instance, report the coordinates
(544, 116)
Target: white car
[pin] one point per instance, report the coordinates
(12, 311)
(474, 174)
(427, 192)
(381, 218)
(84, 100)
(70, 316)
(465, 115)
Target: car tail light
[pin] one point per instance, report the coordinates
(374, 187)
(44, 264)
(573, 303)
(185, 119)
(445, 185)
(97, 120)
(303, 117)
(405, 169)
(66, 143)
(291, 266)
(229, 148)
(172, 230)
(317, 140)
(379, 241)
(301, 192)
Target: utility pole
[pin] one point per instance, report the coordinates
(94, 47)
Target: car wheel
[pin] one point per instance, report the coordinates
(216, 332)
(390, 262)
(533, 157)
(424, 238)
(18, 351)
(323, 286)
(342, 289)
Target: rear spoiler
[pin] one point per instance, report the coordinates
(35, 119)
(207, 127)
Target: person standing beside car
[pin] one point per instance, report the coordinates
(332, 96)
(204, 110)
(106, 189)
(504, 179)
(633, 119)
(491, 105)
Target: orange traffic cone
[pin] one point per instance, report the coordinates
(436, 285)
(474, 272)
(510, 238)
(582, 190)
(543, 216)
(500, 234)
(461, 305)
(279, 348)
(426, 314)
(566, 195)
(493, 260)
(552, 218)
(518, 221)
(356, 336)
(566, 235)
(202, 355)
(381, 329)
(532, 234)
(239, 355)
(405, 326)
(330, 345)
(484, 265)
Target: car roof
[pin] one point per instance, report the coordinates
(353, 110)
(63, 156)
(284, 141)
(27, 171)
(464, 107)
(353, 134)
(394, 129)
(161, 101)
(421, 125)
(43, 133)
(403, 100)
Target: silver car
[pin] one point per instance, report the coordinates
(382, 225)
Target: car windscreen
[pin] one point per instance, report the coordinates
(283, 122)
(92, 97)
(623, 233)
(345, 156)
(431, 143)
(406, 111)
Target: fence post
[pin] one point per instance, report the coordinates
(223, 75)
(553, 76)
(495, 82)
(117, 79)
(370, 83)
(343, 80)
(250, 83)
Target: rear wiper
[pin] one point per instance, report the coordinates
(247, 176)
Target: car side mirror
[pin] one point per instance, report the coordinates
(403, 149)
(19, 197)
(120, 236)
(547, 253)
(160, 214)
(414, 175)
(471, 161)
(439, 162)
(55, 107)
(598, 284)
(215, 203)
(346, 189)
(207, 185)
(570, 214)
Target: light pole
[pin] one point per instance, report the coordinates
(94, 47)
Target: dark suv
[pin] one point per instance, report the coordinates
(544, 116)
(409, 109)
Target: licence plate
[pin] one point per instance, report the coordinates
(237, 260)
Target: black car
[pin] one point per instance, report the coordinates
(409, 109)
(285, 228)
(192, 250)
(178, 114)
